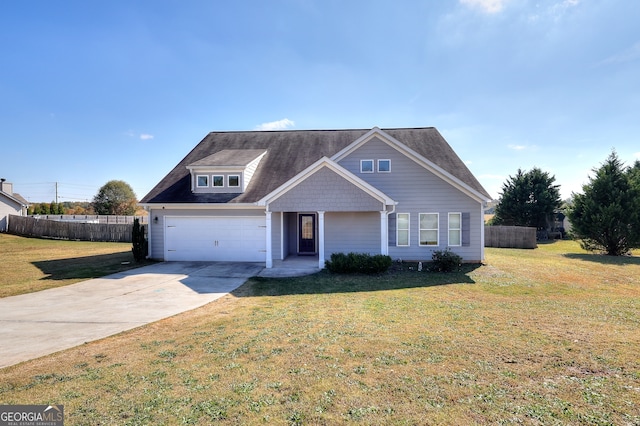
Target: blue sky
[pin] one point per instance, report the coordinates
(94, 91)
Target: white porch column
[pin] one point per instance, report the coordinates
(321, 240)
(384, 232)
(269, 260)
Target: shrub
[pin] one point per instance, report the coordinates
(140, 245)
(358, 263)
(445, 261)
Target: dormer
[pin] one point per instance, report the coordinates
(226, 171)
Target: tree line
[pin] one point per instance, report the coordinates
(116, 197)
(67, 207)
(605, 217)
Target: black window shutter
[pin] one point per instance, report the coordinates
(466, 229)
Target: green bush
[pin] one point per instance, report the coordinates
(363, 263)
(445, 261)
(140, 244)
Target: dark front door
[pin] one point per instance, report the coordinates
(307, 234)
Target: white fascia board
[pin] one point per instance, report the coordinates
(203, 206)
(214, 169)
(423, 161)
(15, 200)
(357, 143)
(325, 162)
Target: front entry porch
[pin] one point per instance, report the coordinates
(307, 237)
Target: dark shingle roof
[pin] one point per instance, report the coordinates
(229, 158)
(288, 153)
(16, 197)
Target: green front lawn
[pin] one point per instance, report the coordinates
(32, 264)
(545, 336)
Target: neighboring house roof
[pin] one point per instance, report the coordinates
(16, 198)
(290, 152)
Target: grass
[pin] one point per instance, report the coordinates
(31, 264)
(545, 336)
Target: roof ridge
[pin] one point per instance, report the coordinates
(321, 130)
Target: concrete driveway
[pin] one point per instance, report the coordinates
(37, 324)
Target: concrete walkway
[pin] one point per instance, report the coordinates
(37, 324)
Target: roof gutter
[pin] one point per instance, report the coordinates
(203, 206)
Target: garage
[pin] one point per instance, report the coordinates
(238, 239)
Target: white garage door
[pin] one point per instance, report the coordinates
(240, 239)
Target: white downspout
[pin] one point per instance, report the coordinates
(384, 229)
(269, 259)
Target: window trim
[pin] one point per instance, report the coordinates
(229, 181)
(408, 230)
(449, 229)
(372, 166)
(213, 181)
(198, 181)
(384, 171)
(437, 229)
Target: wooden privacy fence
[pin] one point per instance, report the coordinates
(510, 237)
(32, 227)
(89, 218)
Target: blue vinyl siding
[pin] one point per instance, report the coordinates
(418, 190)
(352, 232)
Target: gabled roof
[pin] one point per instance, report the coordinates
(16, 198)
(290, 152)
(458, 179)
(325, 162)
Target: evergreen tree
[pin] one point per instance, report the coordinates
(528, 199)
(606, 217)
(634, 174)
(140, 246)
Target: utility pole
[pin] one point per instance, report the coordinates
(56, 192)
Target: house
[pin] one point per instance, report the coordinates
(264, 196)
(10, 204)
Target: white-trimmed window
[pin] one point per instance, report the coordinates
(455, 229)
(233, 181)
(402, 229)
(218, 181)
(384, 166)
(429, 229)
(366, 166)
(202, 181)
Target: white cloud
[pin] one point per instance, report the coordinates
(558, 10)
(517, 147)
(488, 6)
(283, 124)
(142, 136)
(554, 12)
(636, 155)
